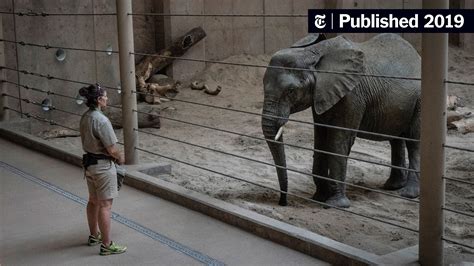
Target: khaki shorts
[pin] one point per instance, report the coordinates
(102, 180)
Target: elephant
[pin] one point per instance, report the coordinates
(320, 77)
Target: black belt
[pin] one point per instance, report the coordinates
(89, 159)
(100, 156)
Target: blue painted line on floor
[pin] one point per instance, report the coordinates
(116, 217)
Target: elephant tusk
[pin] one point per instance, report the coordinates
(279, 133)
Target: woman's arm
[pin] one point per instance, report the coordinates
(116, 153)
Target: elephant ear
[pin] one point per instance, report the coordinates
(309, 40)
(330, 88)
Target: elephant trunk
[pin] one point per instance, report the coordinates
(270, 128)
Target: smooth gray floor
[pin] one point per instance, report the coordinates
(41, 227)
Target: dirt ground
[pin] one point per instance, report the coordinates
(242, 90)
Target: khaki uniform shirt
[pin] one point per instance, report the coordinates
(96, 132)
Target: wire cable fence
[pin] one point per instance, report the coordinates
(52, 122)
(389, 194)
(41, 119)
(459, 180)
(44, 14)
(471, 215)
(295, 68)
(283, 143)
(235, 110)
(220, 15)
(280, 191)
(290, 169)
(47, 47)
(239, 134)
(48, 92)
(49, 121)
(460, 83)
(278, 166)
(278, 67)
(230, 109)
(53, 108)
(16, 50)
(285, 118)
(50, 107)
(459, 148)
(452, 241)
(223, 108)
(47, 76)
(30, 13)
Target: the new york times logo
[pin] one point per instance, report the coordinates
(320, 21)
(391, 20)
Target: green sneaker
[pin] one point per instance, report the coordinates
(94, 240)
(112, 249)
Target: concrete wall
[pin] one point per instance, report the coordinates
(282, 32)
(74, 31)
(3, 100)
(10, 55)
(467, 40)
(226, 36)
(413, 38)
(176, 27)
(89, 32)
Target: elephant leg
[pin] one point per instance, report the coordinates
(320, 164)
(398, 178)
(340, 142)
(412, 188)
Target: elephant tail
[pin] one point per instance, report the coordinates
(415, 123)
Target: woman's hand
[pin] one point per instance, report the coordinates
(116, 153)
(121, 159)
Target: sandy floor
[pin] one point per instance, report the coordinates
(242, 90)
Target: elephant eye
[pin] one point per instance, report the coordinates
(292, 93)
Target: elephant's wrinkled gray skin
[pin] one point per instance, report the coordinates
(381, 105)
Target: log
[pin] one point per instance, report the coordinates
(461, 120)
(177, 49)
(58, 133)
(453, 116)
(464, 126)
(147, 116)
(158, 87)
(452, 102)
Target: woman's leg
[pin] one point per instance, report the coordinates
(105, 209)
(93, 215)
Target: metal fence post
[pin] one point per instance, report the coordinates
(433, 136)
(127, 77)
